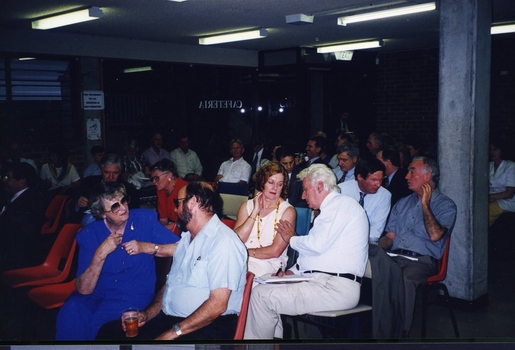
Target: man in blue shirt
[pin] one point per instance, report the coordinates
(417, 229)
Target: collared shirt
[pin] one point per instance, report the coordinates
(338, 240)
(16, 195)
(132, 276)
(407, 222)
(390, 177)
(92, 170)
(186, 163)
(377, 206)
(68, 179)
(338, 172)
(235, 170)
(151, 157)
(216, 258)
(503, 177)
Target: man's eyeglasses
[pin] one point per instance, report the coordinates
(115, 208)
(156, 178)
(177, 201)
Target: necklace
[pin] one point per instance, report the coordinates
(258, 220)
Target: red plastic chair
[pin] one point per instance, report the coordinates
(53, 295)
(434, 282)
(53, 213)
(242, 317)
(55, 268)
(229, 222)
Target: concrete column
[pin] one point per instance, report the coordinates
(91, 73)
(463, 126)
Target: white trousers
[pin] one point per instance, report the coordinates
(269, 301)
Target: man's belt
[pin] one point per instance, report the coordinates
(407, 253)
(349, 276)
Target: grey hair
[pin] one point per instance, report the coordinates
(111, 159)
(102, 191)
(320, 172)
(430, 166)
(351, 149)
(238, 141)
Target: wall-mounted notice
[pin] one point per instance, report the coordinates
(93, 100)
(94, 129)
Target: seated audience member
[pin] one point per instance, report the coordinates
(366, 189)
(186, 160)
(502, 182)
(204, 288)
(15, 155)
(236, 169)
(165, 178)
(21, 218)
(111, 168)
(97, 152)
(334, 254)
(59, 174)
(132, 162)
(287, 160)
(116, 267)
(257, 220)
(415, 144)
(395, 180)
(348, 155)
(417, 229)
(340, 140)
(156, 151)
(325, 154)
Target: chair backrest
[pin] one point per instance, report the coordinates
(232, 204)
(303, 223)
(240, 189)
(53, 214)
(63, 249)
(442, 265)
(229, 222)
(242, 317)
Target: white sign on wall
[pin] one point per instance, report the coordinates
(93, 100)
(94, 129)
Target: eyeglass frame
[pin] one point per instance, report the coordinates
(115, 207)
(157, 177)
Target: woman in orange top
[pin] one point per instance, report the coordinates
(168, 183)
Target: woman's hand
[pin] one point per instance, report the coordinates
(258, 203)
(134, 247)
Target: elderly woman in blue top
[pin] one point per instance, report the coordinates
(113, 274)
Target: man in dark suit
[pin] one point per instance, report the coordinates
(395, 180)
(314, 148)
(21, 219)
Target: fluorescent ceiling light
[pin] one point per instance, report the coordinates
(26, 58)
(509, 28)
(68, 18)
(177, 0)
(137, 69)
(227, 38)
(350, 46)
(343, 21)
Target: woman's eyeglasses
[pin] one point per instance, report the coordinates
(115, 208)
(156, 178)
(177, 201)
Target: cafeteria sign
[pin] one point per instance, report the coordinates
(93, 100)
(220, 104)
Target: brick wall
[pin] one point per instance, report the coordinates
(407, 92)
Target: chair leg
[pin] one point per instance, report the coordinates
(451, 311)
(424, 311)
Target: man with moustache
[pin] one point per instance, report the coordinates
(204, 288)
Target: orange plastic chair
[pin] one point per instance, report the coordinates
(242, 317)
(55, 268)
(434, 282)
(53, 213)
(53, 295)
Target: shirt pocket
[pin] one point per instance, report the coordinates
(198, 276)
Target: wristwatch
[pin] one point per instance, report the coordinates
(156, 249)
(177, 329)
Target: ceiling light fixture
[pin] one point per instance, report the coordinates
(343, 21)
(509, 28)
(68, 18)
(137, 69)
(227, 38)
(350, 46)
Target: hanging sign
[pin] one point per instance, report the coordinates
(93, 100)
